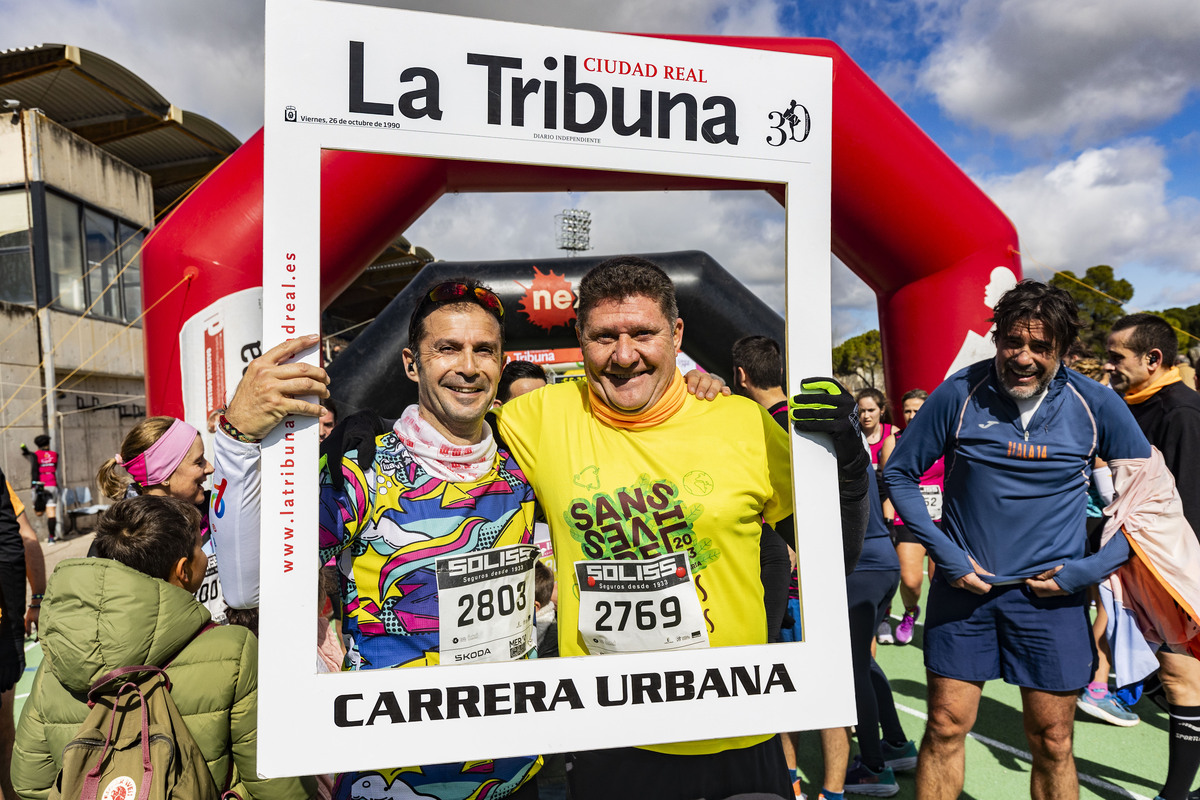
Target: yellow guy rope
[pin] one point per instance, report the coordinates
(168, 293)
(1094, 289)
(167, 209)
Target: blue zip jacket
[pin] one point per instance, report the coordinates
(878, 552)
(1014, 499)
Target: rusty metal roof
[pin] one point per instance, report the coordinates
(113, 108)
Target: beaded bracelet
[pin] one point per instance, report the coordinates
(38, 596)
(234, 433)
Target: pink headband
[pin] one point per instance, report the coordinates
(156, 463)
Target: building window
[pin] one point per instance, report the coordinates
(87, 249)
(100, 243)
(16, 268)
(66, 253)
(131, 279)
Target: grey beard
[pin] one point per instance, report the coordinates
(1038, 388)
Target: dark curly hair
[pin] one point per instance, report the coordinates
(1033, 300)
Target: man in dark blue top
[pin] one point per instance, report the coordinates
(1019, 434)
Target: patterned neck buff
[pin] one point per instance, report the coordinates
(438, 455)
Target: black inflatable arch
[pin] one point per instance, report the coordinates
(716, 309)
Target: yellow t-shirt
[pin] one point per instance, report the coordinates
(702, 481)
(18, 506)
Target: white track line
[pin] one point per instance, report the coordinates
(987, 741)
(1021, 754)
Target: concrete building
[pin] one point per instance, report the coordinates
(89, 153)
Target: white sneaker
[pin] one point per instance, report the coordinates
(884, 634)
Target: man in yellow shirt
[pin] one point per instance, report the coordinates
(631, 468)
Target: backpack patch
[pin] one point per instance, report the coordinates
(120, 788)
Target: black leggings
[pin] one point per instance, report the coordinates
(868, 595)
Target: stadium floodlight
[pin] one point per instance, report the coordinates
(574, 230)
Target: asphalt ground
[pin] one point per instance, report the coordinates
(1112, 762)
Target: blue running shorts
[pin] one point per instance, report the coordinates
(1036, 642)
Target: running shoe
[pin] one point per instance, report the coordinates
(1108, 708)
(904, 631)
(861, 780)
(800, 795)
(884, 634)
(900, 759)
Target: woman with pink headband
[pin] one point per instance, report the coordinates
(165, 456)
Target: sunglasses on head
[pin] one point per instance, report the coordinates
(456, 291)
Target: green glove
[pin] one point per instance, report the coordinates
(825, 406)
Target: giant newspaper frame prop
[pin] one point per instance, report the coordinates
(370, 79)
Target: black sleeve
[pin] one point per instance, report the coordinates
(12, 546)
(775, 571)
(1183, 459)
(852, 464)
(34, 473)
(852, 493)
(12, 593)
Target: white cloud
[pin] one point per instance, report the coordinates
(1091, 68)
(203, 57)
(726, 17)
(1106, 206)
(855, 308)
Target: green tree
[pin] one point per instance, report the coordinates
(1184, 324)
(1098, 311)
(860, 355)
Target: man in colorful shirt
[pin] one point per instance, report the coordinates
(438, 486)
(1019, 434)
(1141, 355)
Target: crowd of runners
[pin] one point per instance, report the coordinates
(1024, 491)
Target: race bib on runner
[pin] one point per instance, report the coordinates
(933, 500)
(639, 606)
(485, 604)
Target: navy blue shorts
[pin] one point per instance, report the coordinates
(1036, 642)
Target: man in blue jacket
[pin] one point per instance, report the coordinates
(1019, 434)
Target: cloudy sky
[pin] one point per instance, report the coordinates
(1078, 117)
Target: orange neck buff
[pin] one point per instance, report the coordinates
(664, 409)
(1165, 379)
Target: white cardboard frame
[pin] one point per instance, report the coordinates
(307, 78)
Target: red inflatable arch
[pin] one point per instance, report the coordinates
(906, 220)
